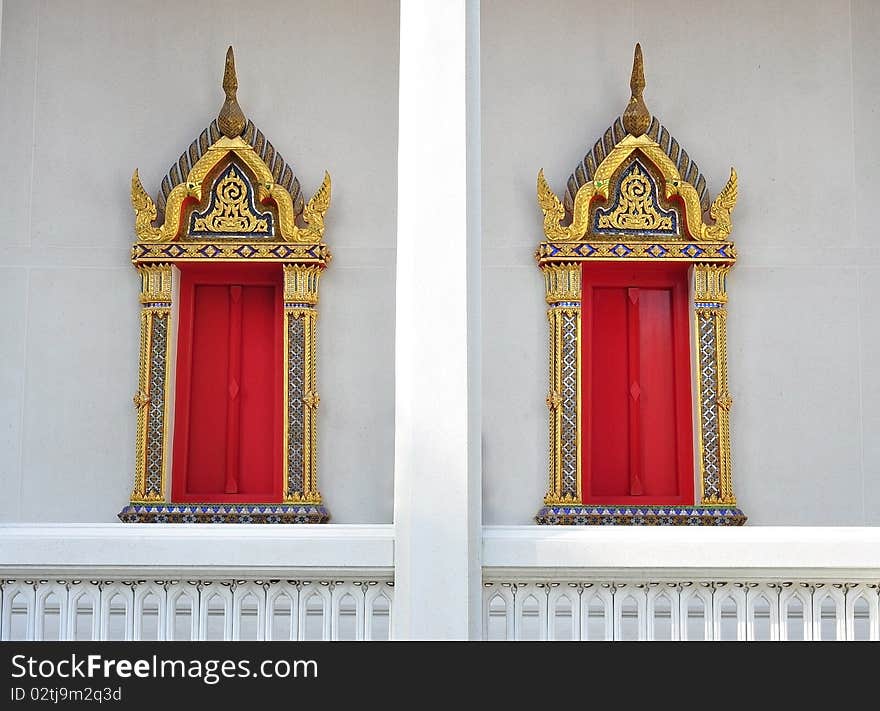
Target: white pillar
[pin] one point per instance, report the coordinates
(437, 442)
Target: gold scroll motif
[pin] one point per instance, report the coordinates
(725, 402)
(713, 398)
(563, 293)
(141, 400)
(636, 209)
(720, 210)
(300, 299)
(267, 189)
(231, 211)
(155, 297)
(310, 412)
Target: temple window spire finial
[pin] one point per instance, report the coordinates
(637, 118)
(231, 119)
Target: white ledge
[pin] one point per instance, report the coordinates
(521, 552)
(213, 549)
(566, 551)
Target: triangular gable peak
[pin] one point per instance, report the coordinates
(230, 185)
(640, 191)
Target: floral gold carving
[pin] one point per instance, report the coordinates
(231, 208)
(636, 209)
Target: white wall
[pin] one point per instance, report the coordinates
(785, 91)
(91, 90)
(788, 93)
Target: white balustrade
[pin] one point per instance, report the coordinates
(336, 583)
(640, 583)
(195, 582)
(681, 610)
(202, 609)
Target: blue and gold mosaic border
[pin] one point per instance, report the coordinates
(224, 513)
(584, 515)
(646, 251)
(165, 252)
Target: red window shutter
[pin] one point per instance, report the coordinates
(228, 426)
(637, 436)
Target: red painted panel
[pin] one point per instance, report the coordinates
(657, 368)
(228, 409)
(260, 441)
(233, 390)
(635, 392)
(609, 383)
(206, 395)
(636, 399)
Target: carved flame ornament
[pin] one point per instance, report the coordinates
(638, 197)
(230, 198)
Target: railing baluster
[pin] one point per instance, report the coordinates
(142, 593)
(630, 598)
(241, 594)
(45, 591)
(558, 594)
(375, 592)
(84, 595)
(285, 592)
(110, 593)
(310, 593)
(670, 594)
(861, 600)
(17, 593)
(761, 599)
(339, 593)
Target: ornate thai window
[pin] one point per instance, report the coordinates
(229, 257)
(639, 401)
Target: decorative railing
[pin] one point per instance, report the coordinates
(681, 584)
(695, 609)
(196, 582)
(183, 582)
(221, 609)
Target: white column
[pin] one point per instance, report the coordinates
(437, 461)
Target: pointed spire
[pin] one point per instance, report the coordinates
(231, 119)
(637, 118)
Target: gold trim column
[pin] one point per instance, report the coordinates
(713, 395)
(152, 397)
(562, 284)
(300, 389)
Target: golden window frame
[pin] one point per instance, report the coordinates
(596, 222)
(228, 229)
